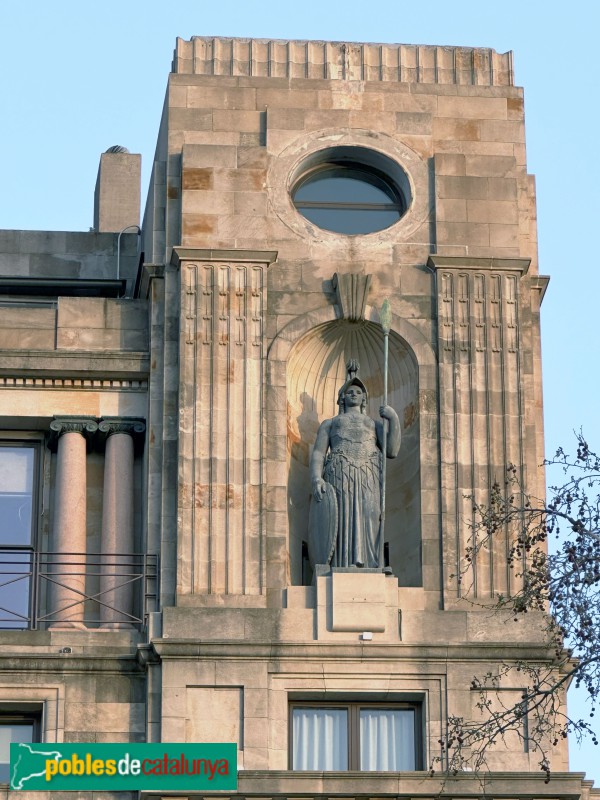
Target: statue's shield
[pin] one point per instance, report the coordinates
(322, 527)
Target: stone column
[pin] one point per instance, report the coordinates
(67, 594)
(117, 542)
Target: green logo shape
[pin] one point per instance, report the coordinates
(123, 767)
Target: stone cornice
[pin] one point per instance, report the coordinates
(347, 61)
(280, 783)
(62, 287)
(239, 650)
(49, 663)
(149, 273)
(181, 254)
(83, 364)
(437, 262)
(540, 282)
(70, 384)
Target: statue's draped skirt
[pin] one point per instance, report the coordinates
(353, 468)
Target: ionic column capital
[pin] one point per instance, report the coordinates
(130, 425)
(86, 426)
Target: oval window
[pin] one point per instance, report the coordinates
(347, 197)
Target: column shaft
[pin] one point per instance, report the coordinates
(68, 593)
(116, 586)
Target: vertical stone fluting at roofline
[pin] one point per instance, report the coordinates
(402, 63)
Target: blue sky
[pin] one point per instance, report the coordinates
(77, 77)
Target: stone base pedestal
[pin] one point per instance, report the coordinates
(67, 626)
(352, 602)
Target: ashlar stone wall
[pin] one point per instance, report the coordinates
(254, 311)
(233, 141)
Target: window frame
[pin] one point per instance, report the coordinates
(35, 441)
(21, 713)
(358, 171)
(353, 707)
(377, 168)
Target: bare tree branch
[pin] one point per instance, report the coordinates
(564, 584)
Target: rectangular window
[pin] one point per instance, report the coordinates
(19, 467)
(15, 728)
(320, 737)
(355, 736)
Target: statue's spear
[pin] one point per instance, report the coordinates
(385, 318)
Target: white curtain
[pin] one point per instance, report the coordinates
(387, 739)
(320, 738)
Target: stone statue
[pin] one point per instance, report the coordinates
(346, 475)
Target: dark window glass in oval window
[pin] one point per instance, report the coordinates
(349, 199)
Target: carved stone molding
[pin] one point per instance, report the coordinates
(131, 426)
(221, 524)
(150, 272)
(484, 308)
(81, 384)
(520, 265)
(94, 431)
(351, 293)
(540, 283)
(109, 425)
(348, 61)
(86, 426)
(182, 255)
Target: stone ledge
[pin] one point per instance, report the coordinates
(75, 364)
(274, 784)
(62, 287)
(37, 663)
(314, 651)
(181, 254)
(472, 262)
(540, 282)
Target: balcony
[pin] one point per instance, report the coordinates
(40, 590)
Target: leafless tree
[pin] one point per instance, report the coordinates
(556, 557)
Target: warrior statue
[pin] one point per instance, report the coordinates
(346, 472)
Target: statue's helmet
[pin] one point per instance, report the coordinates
(352, 379)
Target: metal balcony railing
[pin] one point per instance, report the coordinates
(39, 589)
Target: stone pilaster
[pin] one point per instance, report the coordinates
(484, 369)
(221, 547)
(67, 595)
(117, 541)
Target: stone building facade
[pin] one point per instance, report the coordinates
(161, 390)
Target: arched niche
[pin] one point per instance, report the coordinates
(316, 369)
